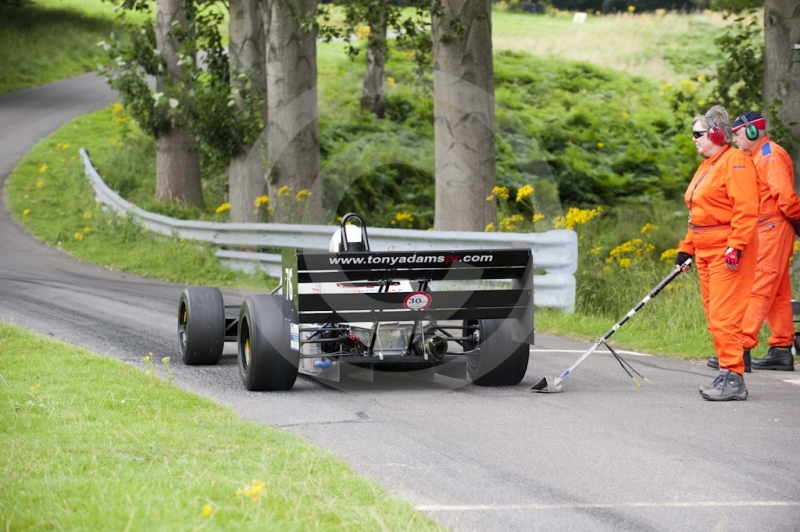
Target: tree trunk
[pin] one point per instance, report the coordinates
(246, 49)
(372, 95)
(293, 135)
(781, 73)
(177, 156)
(463, 113)
(178, 168)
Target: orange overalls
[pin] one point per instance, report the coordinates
(771, 297)
(723, 212)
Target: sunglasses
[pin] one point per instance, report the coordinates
(698, 134)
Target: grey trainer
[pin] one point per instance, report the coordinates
(728, 386)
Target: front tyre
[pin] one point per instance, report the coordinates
(201, 325)
(265, 360)
(500, 360)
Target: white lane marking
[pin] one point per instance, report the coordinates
(578, 506)
(633, 353)
(792, 381)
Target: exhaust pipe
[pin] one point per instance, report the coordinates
(435, 346)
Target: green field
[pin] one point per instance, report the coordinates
(55, 39)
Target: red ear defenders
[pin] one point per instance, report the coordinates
(750, 131)
(715, 133)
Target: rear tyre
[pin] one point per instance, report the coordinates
(500, 360)
(266, 361)
(201, 325)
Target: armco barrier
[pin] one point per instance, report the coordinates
(554, 252)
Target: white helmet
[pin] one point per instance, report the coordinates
(353, 235)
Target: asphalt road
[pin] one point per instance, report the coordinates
(603, 455)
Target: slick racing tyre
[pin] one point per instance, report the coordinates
(201, 325)
(266, 361)
(499, 360)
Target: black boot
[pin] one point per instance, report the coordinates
(778, 358)
(713, 362)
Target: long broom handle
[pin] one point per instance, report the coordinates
(653, 293)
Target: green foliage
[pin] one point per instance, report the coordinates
(203, 101)
(606, 136)
(740, 75)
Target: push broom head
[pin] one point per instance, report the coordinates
(548, 385)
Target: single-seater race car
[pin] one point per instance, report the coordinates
(372, 310)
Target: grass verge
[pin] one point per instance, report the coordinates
(93, 443)
(50, 195)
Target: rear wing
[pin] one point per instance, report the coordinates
(382, 268)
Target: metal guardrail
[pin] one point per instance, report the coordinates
(554, 252)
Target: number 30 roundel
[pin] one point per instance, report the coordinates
(417, 301)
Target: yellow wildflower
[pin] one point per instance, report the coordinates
(87, 215)
(302, 195)
(631, 9)
(524, 192)
(362, 32)
(252, 491)
(391, 81)
(501, 192)
(626, 247)
(26, 212)
(688, 86)
(575, 217)
(261, 200)
(595, 251)
(489, 228)
(207, 511)
(701, 79)
(40, 182)
(490, 197)
(646, 228)
(625, 263)
(165, 360)
(43, 168)
(78, 236)
(404, 217)
(87, 229)
(510, 223)
(601, 145)
(222, 208)
(666, 86)
(536, 217)
(669, 255)
(284, 191)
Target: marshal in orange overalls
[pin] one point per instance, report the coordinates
(771, 297)
(723, 212)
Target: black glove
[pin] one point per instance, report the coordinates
(795, 225)
(681, 258)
